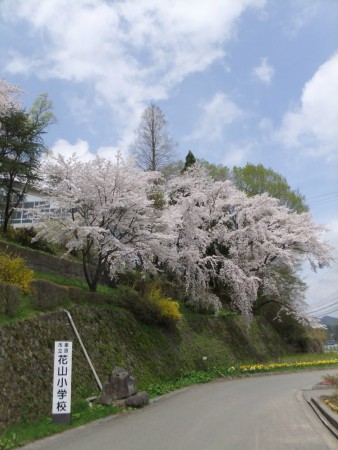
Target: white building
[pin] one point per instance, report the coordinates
(22, 217)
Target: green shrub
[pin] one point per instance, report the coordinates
(13, 270)
(173, 289)
(138, 305)
(135, 279)
(126, 298)
(205, 303)
(24, 236)
(10, 297)
(48, 295)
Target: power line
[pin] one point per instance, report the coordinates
(330, 274)
(320, 196)
(324, 200)
(326, 279)
(325, 194)
(324, 307)
(322, 303)
(328, 298)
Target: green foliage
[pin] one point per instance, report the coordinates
(158, 199)
(299, 337)
(218, 172)
(254, 180)
(21, 148)
(24, 236)
(52, 291)
(190, 160)
(41, 113)
(208, 374)
(13, 270)
(205, 303)
(20, 152)
(290, 290)
(143, 309)
(138, 280)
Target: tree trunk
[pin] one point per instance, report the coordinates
(7, 214)
(92, 276)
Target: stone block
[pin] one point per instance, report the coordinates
(137, 400)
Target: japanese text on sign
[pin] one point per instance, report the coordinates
(62, 381)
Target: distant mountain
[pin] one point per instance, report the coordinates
(328, 320)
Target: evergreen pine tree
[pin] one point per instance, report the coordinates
(190, 160)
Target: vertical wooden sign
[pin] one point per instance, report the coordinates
(62, 382)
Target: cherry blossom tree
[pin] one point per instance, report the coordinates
(225, 237)
(103, 210)
(196, 205)
(9, 97)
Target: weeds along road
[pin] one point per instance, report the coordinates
(254, 413)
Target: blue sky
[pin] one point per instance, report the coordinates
(238, 80)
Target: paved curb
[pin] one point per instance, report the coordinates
(328, 417)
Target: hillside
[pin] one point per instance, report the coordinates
(115, 336)
(328, 320)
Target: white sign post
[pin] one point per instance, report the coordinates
(62, 382)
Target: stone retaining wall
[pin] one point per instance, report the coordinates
(43, 262)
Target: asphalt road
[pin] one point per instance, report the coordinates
(255, 413)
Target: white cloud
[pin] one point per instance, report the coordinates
(101, 41)
(218, 113)
(109, 152)
(237, 155)
(66, 149)
(81, 150)
(264, 72)
(312, 126)
(127, 53)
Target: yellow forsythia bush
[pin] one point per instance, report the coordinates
(168, 307)
(13, 270)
